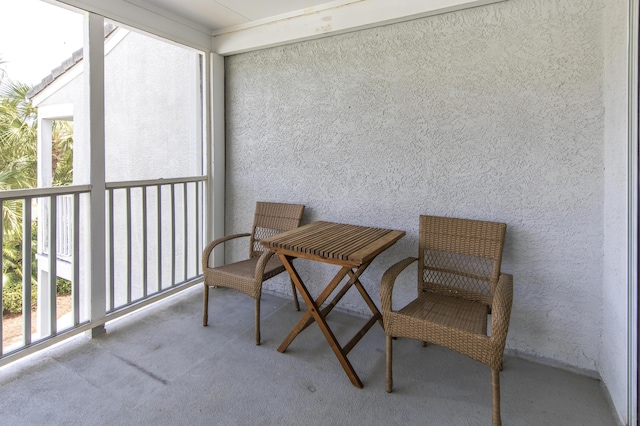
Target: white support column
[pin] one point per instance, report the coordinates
(632, 215)
(207, 161)
(45, 131)
(44, 176)
(94, 95)
(202, 122)
(216, 183)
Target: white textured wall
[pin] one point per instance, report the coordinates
(492, 113)
(153, 124)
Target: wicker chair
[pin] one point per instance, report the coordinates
(248, 275)
(459, 284)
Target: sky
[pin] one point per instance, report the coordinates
(36, 37)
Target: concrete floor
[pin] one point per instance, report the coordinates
(161, 367)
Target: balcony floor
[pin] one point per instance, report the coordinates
(161, 367)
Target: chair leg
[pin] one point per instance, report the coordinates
(258, 321)
(388, 383)
(295, 295)
(424, 344)
(205, 316)
(495, 391)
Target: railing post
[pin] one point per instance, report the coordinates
(26, 271)
(94, 98)
(51, 321)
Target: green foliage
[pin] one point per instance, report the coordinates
(12, 256)
(12, 271)
(2, 70)
(12, 297)
(62, 161)
(18, 165)
(18, 132)
(63, 287)
(19, 141)
(18, 146)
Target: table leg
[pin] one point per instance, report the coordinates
(319, 318)
(307, 318)
(324, 311)
(368, 300)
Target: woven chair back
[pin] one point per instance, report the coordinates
(271, 219)
(460, 257)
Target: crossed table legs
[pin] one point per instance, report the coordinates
(317, 314)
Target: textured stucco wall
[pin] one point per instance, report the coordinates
(492, 113)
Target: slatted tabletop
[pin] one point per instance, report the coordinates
(334, 242)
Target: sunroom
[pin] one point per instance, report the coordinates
(368, 112)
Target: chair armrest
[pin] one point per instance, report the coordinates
(501, 310)
(389, 280)
(209, 248)
(261, 264)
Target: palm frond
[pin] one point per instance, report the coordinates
(18, 123)
(62, 150)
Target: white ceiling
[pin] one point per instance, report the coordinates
(216, 15)
(229, 27)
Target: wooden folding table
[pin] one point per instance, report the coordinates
(349, 246)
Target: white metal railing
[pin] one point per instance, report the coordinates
(64, 227)
(154, 239)
(47, 306)
(154, 231)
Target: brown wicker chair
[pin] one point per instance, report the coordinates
(248, 275)
(459, 284)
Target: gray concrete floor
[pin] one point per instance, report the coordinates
(160, 366)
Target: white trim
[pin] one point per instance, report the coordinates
(216, 207)
(154, 21)
(62, 111)
(207, 166)
(335, 18)
(632, 260)
(294, 14)
(114, 39)
(143, 4)
(44, 155)
(58, 83)
(16, 194)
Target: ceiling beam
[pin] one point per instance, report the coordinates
(130, 14)
(322, 22)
